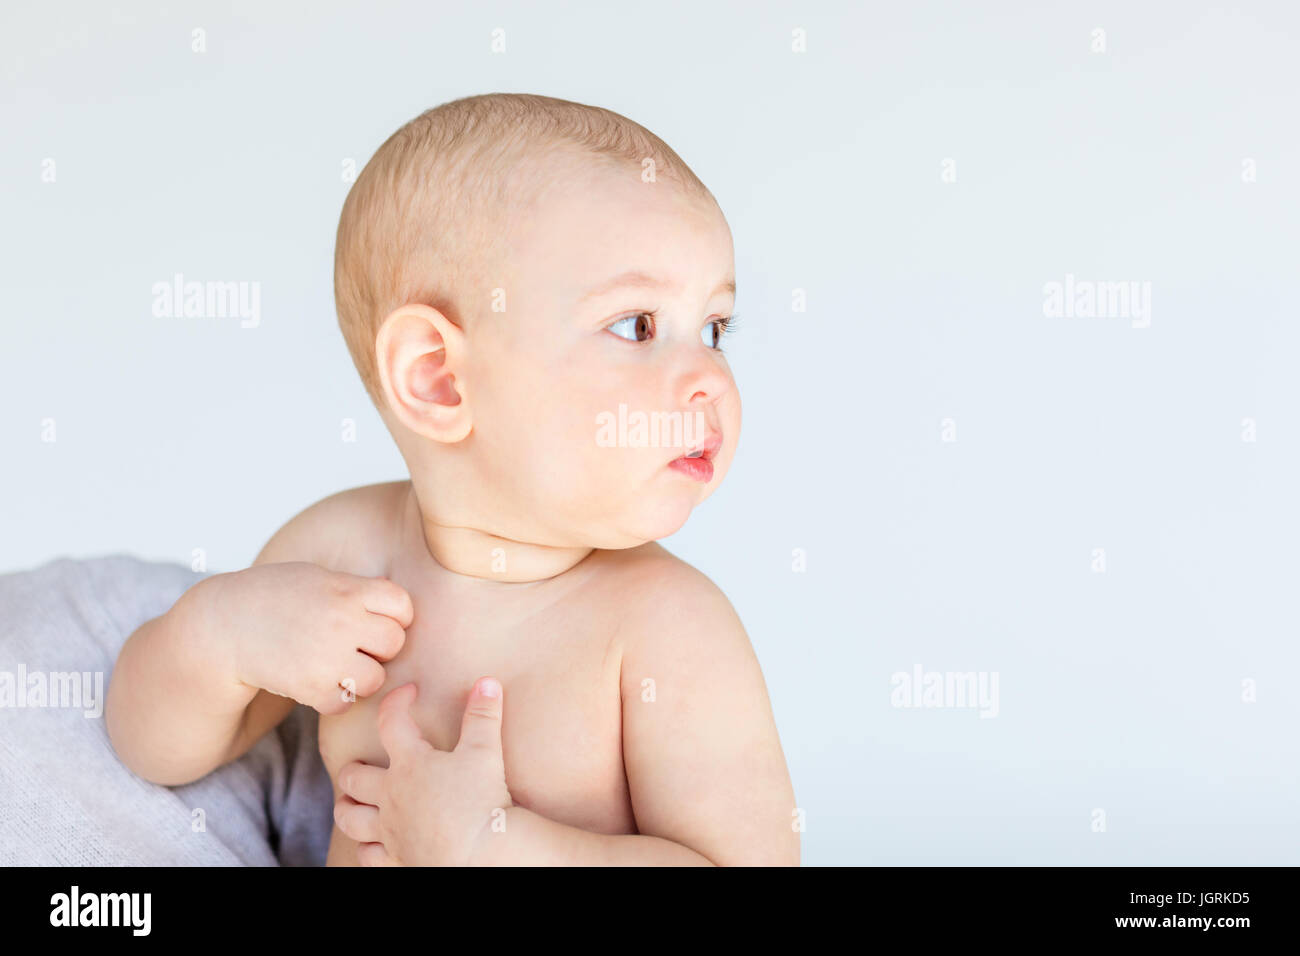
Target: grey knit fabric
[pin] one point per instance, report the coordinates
(64, 796)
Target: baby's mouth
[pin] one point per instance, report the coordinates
(698, 462)
(706, 449)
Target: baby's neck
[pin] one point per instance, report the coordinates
(479, 554)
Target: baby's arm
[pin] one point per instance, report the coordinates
(704, 764)
(703, 758)
(174, 710)
(195, 688)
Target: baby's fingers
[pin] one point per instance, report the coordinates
(381, 637)
(362, 782)
(357, 820)
(374, 854)
(382, 596)
(367, 674)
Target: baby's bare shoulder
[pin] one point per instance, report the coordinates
(350, 531)
(659, 590)
(678, 628)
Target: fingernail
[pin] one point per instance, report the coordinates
(489, 687)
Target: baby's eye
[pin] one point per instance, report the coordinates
(634, 328)
(713, 332)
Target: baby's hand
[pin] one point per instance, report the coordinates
(314, 635)
(429, 808)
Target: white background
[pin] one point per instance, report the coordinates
(1120, 691)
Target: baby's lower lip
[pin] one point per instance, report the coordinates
(701, 469)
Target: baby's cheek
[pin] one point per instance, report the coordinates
(729, 414)
(732, 409)
(564, 460)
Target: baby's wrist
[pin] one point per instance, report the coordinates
(489, 846)
(198, 620)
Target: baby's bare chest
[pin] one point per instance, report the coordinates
(562, 724)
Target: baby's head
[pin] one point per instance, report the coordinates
(533, 291)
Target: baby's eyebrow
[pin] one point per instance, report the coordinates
(636, 279)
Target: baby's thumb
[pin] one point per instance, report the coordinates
(481, 726)
(397, 730)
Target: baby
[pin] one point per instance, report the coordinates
(534, 292)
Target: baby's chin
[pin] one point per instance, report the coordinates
(650, 520)
(614, 519)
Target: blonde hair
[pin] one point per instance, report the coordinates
(423, 222)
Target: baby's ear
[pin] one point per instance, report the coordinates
(418, 351)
